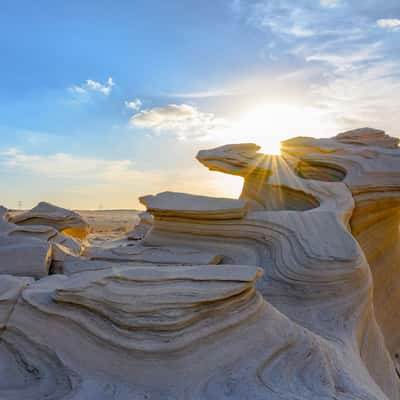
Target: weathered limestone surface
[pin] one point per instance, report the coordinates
(303, 303)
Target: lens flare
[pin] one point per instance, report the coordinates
(269, 124)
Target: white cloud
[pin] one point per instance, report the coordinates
(330, 3)
(184, 120)
(77, 89)
(94, 86)
(134, 104)
(389, 23)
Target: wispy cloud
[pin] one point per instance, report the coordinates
(67, 166)
(330, 3)
(348, 67)
(93, 86)
(134, 104)
(183, 120)
(202, 94)
(301, 20)
(280, 17)
(77, 89)
(115, 183)
(366, 96)
(348, 59)
(389, 23)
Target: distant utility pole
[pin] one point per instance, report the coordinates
(19, 204)
(100, 206)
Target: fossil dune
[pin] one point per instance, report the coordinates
(289, 292)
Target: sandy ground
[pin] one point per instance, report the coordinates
(103, 221)
(107, 224)
(110, 221)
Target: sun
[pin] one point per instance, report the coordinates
(269, 124)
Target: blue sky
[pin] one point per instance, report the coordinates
(103, 101)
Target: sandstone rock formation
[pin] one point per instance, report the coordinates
(371, 170)
(47, 214)
(181, 205)
(30, 250)
(303, 303)
(20, 253)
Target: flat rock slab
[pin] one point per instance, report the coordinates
(154, 255)
(173, 204)
(75, 265)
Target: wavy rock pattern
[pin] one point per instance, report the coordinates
(372, 173)
(147, 309)
(29, 371)
(303, 304)
(153, 255)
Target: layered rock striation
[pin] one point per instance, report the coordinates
(288, 292)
